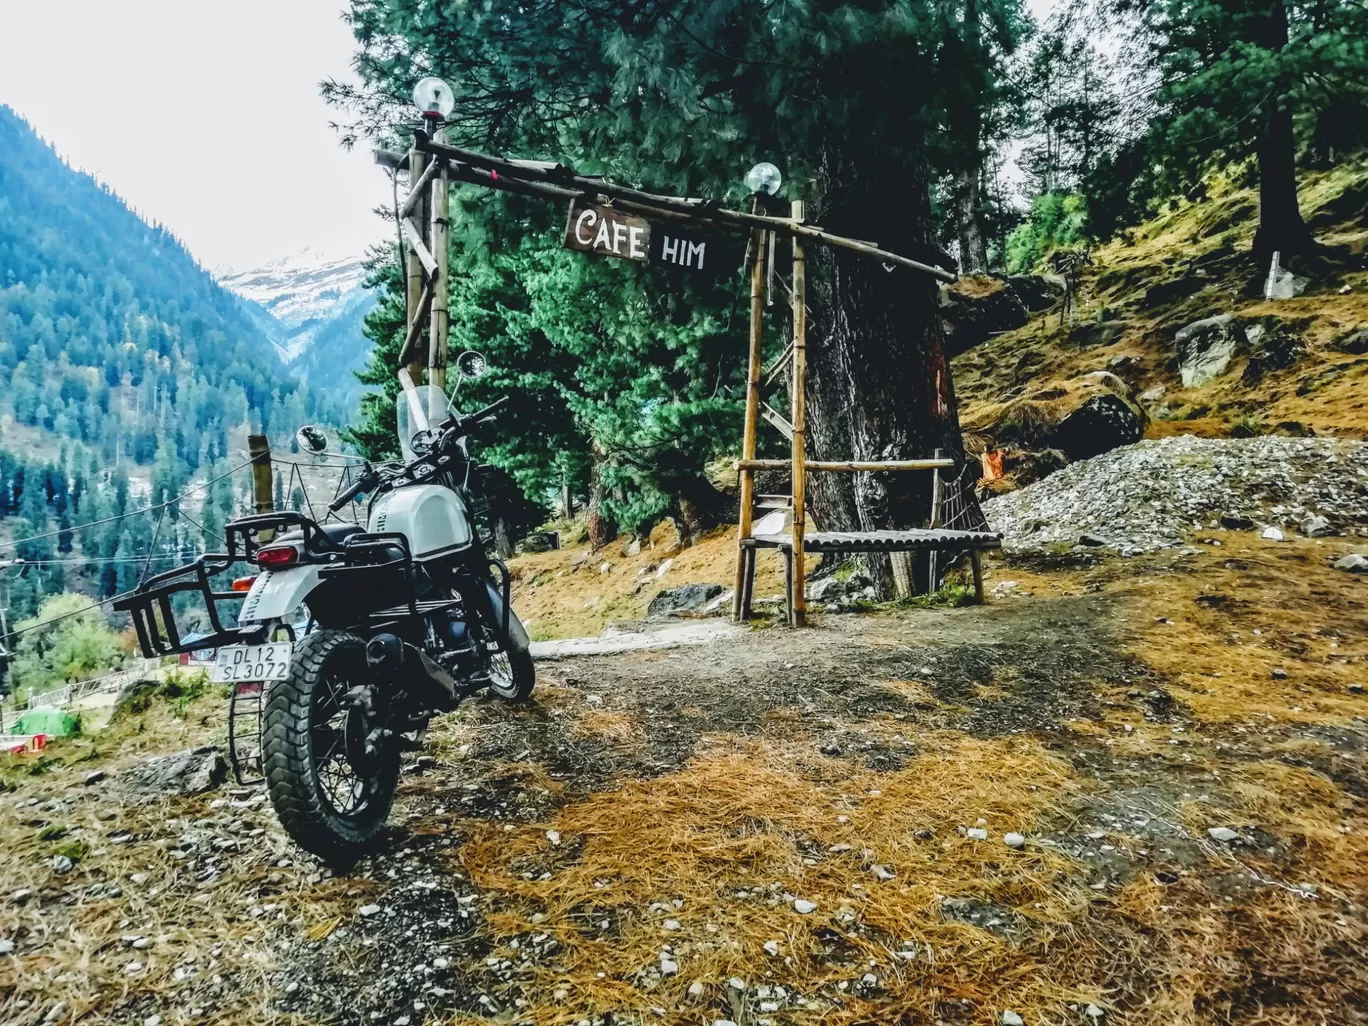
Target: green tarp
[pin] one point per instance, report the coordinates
(43, 720)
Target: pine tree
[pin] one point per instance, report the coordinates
(683, 97)
(1236, 77)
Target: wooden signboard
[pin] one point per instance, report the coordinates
(696, 252)
(604, 231)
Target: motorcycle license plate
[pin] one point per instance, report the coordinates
(251, 662)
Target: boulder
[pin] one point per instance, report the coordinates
(1084, 417)
(192, 771)
(1037, 292)
(1355, 343)
(1103, 421)
(1207, 348)
(685, 599)
(1352, 564)
(1088, 334)
(975, 308)
(1272, 347)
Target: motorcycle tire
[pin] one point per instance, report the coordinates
(299, 728)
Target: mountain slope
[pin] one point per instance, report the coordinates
(312, 308)
(126, 372)
(1173, 313)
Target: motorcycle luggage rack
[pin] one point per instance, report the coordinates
(368, 555)
(244, 732)
(149, 604)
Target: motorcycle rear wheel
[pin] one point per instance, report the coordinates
(327, 803)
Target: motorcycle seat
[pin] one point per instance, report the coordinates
(338, 533)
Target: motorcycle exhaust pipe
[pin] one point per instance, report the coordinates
(391, 655)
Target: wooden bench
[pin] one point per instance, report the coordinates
(793, 538)
(933, 539)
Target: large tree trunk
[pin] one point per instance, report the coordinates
(1281, 228)
(879, 384)
(973, 249)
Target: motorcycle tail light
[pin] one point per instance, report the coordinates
(244, 583)
(280, 555)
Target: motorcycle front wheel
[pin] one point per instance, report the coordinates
(331, 790)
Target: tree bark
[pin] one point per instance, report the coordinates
(972, 247)
(879, 384)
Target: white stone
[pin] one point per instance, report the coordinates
(1014, 840)
(695, 989)
(1010, 1018)
(6, 947)
(139, 878)
(664, 567)
(737, 984)
(771, 947)
(369, 910)
(802, 906)
(667, 967)
(1093, 1012)
(554, 837)
(977, 834)
(1272, 534)
(882, 872)
(1223, 834)
(152, 1020)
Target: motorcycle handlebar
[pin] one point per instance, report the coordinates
(360, 485)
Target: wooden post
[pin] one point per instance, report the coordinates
(413, 290)
(259, 448)
(933, 522)
(798, 594)
(744, 579)
(437, 341)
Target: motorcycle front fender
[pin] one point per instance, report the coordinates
(277, 594)
(517, 633)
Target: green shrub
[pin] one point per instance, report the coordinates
(1056, 220)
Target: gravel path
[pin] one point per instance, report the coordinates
(1148, 496)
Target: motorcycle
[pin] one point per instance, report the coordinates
(350, 639)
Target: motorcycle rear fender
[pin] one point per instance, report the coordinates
(276, 594)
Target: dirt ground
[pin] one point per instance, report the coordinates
(800, 827)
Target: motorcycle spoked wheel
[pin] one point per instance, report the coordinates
(330, 795)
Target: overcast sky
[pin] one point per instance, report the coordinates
(117, 86)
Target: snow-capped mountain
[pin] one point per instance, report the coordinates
(311, 306)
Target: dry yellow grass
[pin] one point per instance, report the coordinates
(1251, 608)
(684, 846)
(563, 593)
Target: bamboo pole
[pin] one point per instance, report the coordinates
(798, 598)
(437, 341)
(744, 581)
(415, 328)
(263, 497)
(413, 288)
(848, 466)
(700, 211)
(937, 505)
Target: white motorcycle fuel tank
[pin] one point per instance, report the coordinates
(433, 518)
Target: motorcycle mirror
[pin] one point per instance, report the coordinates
(312, 439)
(472, 365)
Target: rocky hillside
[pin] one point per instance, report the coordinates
(1172, 335)
(312, 307)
